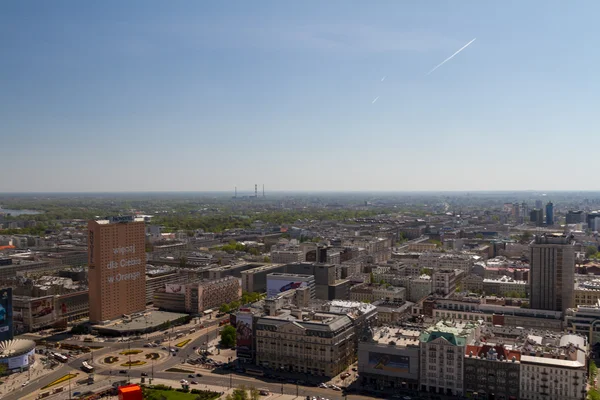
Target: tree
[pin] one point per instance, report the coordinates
(254, 393)
(182, 262)
(436, 242)
(525, 237)
(224, 308)
(79, 330)
(228, 336)
(593, 371)
(591, 251)
(250, 297)
(479, 236)
(266, 259)
(593, 394)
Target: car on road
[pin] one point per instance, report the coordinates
(323, 386)
(336, 388)
(199, 375)
(183, 381)
(354, 369)
(144, 374)
(25, 383)
(191, 376)
(76, 394)
(194, 382)
(122, 371)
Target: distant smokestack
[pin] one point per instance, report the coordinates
(235, 192)
(263, 190)
(255, 190)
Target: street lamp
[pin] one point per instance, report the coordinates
(129, 363)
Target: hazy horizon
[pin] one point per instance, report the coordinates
(312, 96)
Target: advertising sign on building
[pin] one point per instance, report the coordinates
(389, 362)
(174, 288)
(243, 327)
(21, 361)
(42, 310)
(276, 286)
(6, 314)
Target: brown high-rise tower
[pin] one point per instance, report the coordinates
(117, 267)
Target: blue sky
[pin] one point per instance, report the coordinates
(192, 95)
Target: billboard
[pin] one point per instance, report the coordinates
(6, 314)
(20, 361)
(42, 310)
(276, 286)
(389, 362)
(174, 288)
(243, 328)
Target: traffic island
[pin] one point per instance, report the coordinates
(60, 380)
(152, 356)
(130, 352)
(136, 363)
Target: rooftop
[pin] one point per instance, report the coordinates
(148, 320)
(454, 332)
(399, 336)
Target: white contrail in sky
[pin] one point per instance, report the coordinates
(383, 79)
(451, 57)
(373, 102)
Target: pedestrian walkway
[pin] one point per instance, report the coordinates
(219, 389)
(16, 380)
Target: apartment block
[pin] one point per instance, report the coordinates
(211, 294)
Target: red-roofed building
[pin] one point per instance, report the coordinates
(130, 392)
(492, 372)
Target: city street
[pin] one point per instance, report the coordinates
(198, 338)
(105, 376)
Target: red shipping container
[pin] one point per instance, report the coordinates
(130, 392)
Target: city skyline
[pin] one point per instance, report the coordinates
(141, 97)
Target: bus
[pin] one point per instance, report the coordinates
(87, 367)
(60, 357)
(256, 372)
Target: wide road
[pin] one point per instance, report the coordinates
(204, 335)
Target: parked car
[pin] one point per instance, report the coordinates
(144, 374)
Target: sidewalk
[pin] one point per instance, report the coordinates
(214, 388)
(15, 381)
